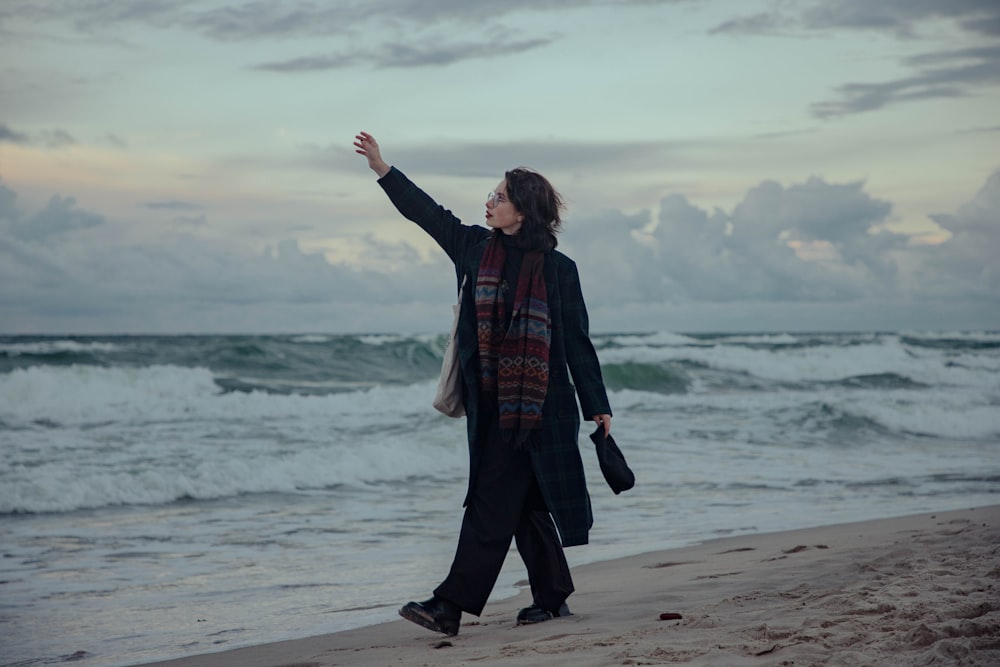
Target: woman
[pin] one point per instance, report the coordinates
(522, 325)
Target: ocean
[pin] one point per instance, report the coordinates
(162, 496)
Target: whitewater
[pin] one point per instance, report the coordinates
(168, 495)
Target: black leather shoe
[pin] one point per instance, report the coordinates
(535, 614)
(436, 614)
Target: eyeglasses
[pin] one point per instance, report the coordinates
(495, 199)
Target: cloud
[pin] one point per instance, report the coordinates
(954, 73)
(9, 136)
(193, 220)
(90, 15)
(179, 281)
(287, 19)
(385, 33)
(763, 23)
(969, 259)
(270, 18)
(9, 212)
(172, 205)
(985, 26)
(404, 55)
(115, 141)
(976, 130)
(56, 139)
(60, 215)
(313, 63)
(898, 16)
(182, 282)
(178, 206)
(939, 74)
(901, 16)
(47, 138)
(615, 266)
(789, 250)
(489, 160)
(813, 241)
(807, 241)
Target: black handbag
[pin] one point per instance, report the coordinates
(613, 465)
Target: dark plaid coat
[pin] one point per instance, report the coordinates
(557, 463)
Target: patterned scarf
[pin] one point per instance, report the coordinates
(514, 363)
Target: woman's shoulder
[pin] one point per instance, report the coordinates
(559, 259)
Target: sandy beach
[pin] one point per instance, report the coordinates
(915, 590)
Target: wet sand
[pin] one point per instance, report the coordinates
(916, 590)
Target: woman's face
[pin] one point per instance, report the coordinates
(501, 214)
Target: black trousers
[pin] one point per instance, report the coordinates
(506, 504)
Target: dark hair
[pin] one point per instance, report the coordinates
(535, 198)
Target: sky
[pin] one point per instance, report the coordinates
(186, 166)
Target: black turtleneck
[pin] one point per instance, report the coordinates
(511, 270)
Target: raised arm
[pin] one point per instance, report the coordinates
(416, 205)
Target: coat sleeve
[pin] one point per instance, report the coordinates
(580, 354)
(442, 225)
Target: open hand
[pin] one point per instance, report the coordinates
(366, 145)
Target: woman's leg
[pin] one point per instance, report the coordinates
(491, 518)
(541, 550)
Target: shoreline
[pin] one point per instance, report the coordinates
(914, 590)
